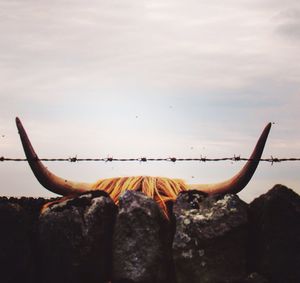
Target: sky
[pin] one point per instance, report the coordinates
(150, 78)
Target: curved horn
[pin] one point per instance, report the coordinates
(47, 179)
(241, 179)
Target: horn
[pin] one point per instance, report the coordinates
(47, 179)
(241, 179)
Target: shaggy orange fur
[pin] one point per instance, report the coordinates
(158, 188)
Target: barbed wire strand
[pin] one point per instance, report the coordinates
(145, 159)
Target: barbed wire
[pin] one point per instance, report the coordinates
(145, 159)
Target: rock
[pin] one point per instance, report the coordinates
(17, 239)
(142, 243)
(275, 235)
(75, 238)
(255, 278)
(210, 239)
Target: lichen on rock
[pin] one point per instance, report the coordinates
(210, 239)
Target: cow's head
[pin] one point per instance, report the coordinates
(161, 189)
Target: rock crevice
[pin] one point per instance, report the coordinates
(207, 239)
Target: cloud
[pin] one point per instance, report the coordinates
(201, 74)
(161, 45)
(289, 23)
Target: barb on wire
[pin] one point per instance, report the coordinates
(74, 159)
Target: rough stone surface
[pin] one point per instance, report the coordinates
(75, 239)
(210, 239)
(275, 235)
(72, 241)
(18, 219)
(141, 244)
(255, 278)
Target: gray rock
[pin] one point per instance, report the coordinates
(75, 238)
(210, 239)
(142, 243)
(18, 251)
(17, 259)
(275, 235)
(255, 278)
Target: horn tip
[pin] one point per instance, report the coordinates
(18, 121)
(19, 124)
(268, 127)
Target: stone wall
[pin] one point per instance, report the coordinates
(213, 239)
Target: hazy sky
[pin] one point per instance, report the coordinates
(150, 78)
